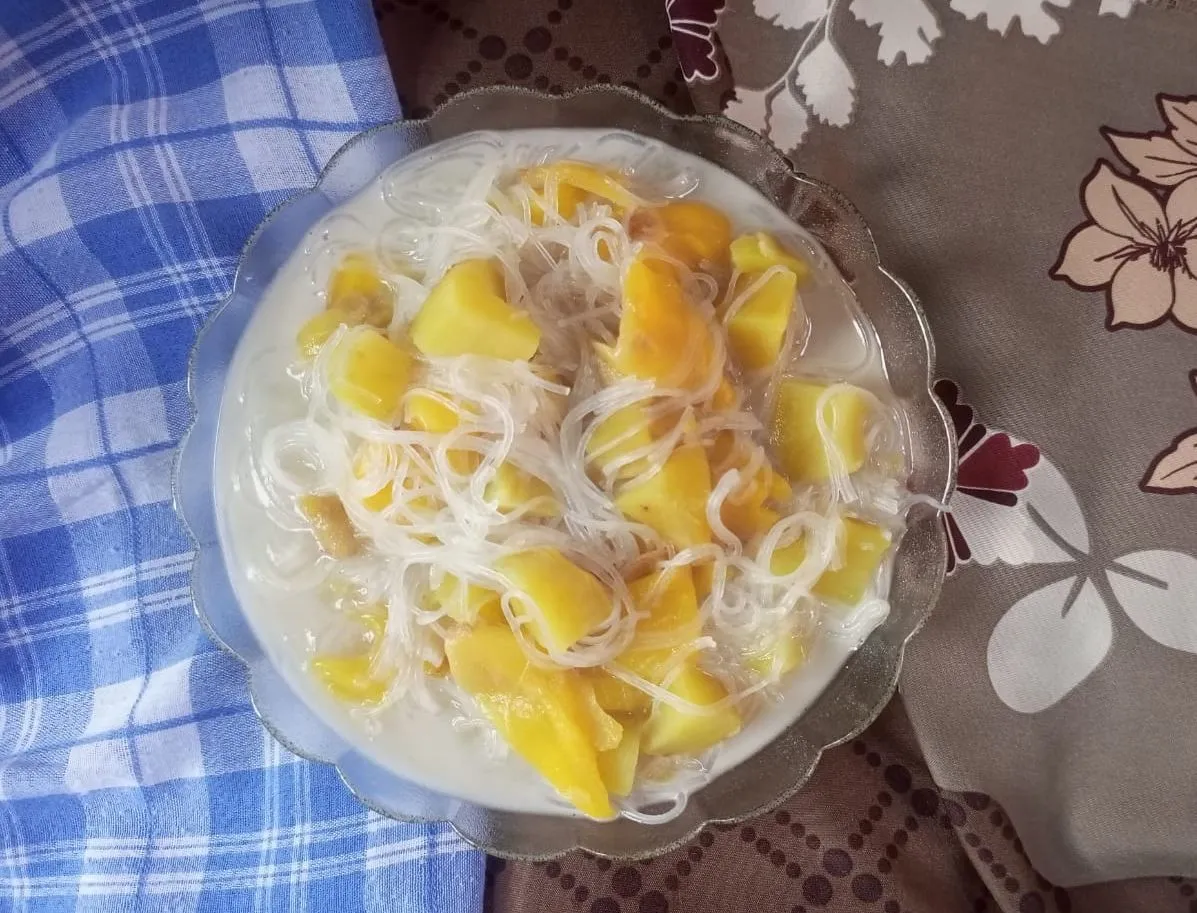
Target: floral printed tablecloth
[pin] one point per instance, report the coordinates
(1029, 167)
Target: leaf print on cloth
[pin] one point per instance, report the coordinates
(693, 23)
(827, 84)
(818, 79)
(1168, 158)
(1174, 472)
(1000, 15)
(791, 14)
(1142, 251)
(1048, 643)
(1162, 598)
(1054, 638)
(908, 28)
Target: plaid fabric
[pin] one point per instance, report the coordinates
(141, 141)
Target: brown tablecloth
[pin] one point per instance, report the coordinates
(969, 169)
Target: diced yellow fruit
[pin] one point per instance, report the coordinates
(357, 290)
(756, 330)
(466, 314)
(726, 396)
(370, 457)
(864, 548)
(349, 678)
(316, 331)
(572, 601)
(788, 558)
(721, 450)
(618, 766)
(800, 447)
(704, 580)
(380, 500)
(667, 599)
(653, 664)
(617, 696)
(671, 731)
(567, 200)
(468, 604)
(755, 253)
(779, 489)
(748, 520)
(370, 374)
(363, 463)
(540, 712)
(330, 524)
(695, 233)
(512, 488)
(605, 730)
(621, 433)
(674, 500)
(783, 657)
(424, 412)
(662, 337)
(591, 180)
(463, 461)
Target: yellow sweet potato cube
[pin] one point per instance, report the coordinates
(757, 252)
(757, 329)
(349, 678)
(693, 232)
(669, 606)
(589, 179)
(848, 579)
(662, 337)
(618, 765)
(370, 374)
(605, 730)
(541, 713)
(671, 731)
(564, 200)
(357, 296)
(466, 314)
(512, 488)
(863, 546)
(425, 412)
(618, 435)
(572, 601)
(800, 448)
(468, 604)
(616, 696)
(788, 558)
(673, 502)
(783, 657)
(357, 290)
(316, 331)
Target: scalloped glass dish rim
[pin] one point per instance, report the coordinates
(862, 687)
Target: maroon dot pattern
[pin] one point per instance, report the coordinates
(866, 887)
(817, 890)
(625, 881)
(837, 862)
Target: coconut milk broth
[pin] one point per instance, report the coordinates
(288, 614)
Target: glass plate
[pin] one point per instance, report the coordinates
(863, 685)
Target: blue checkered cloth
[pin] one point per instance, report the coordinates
(141, 141)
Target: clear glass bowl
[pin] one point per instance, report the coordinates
(863, 685)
